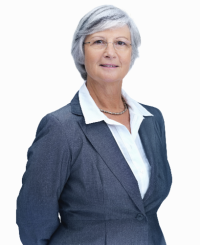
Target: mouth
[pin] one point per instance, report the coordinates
(109, 65)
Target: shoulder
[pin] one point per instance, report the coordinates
(153, 110)
(62, 115)
(59, 121)
(157, 115)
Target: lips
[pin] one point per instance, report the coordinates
(109, 65)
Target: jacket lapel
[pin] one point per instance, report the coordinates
(103, 141)
(148, 138)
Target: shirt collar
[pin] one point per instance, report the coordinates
(92, 113)
(135, 106)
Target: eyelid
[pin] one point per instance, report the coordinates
(122, 42)
(98, 40)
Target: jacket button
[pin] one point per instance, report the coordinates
(139, 217)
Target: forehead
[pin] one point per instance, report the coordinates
(113, 33)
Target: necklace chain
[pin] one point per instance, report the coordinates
(117, 113)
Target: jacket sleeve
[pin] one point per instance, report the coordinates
(162, 131)
(46, 173)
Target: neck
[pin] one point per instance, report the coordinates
(107, 95)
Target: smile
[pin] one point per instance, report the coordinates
(109, 66)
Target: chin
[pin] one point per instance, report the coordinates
(105, 78)
(113, 80)
(110, 79)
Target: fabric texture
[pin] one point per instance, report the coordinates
(78, 170)
(129, 144)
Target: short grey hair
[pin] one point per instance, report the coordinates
(99, 19)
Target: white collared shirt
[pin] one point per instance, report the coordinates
(129, 144)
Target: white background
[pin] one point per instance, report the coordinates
(38, 76)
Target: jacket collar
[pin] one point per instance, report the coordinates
(109, 151)
(75, 105)
(92, 113)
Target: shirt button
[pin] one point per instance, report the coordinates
(139, 217)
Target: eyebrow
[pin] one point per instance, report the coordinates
(115, 38)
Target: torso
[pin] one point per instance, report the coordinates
(123, 119)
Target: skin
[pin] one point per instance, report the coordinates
(104, 84)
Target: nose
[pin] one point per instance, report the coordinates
(110, 50)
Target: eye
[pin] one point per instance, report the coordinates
(98, 42)
(120, 43)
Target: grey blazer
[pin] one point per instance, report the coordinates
(78, 170)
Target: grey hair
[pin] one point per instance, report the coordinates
(99, 19)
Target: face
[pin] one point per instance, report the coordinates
(96, 59)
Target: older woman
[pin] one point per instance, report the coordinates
(100, 161)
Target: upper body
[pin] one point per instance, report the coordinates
(127, 138)
(81, 166)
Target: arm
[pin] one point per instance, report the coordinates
(162, 131)
(46, 173)
(160, 124)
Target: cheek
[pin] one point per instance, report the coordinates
(91, 57)
(90, 60)
(126, 61)
(129, 58)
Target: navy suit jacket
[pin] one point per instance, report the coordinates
(77, 170)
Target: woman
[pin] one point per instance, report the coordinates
(100, 161)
